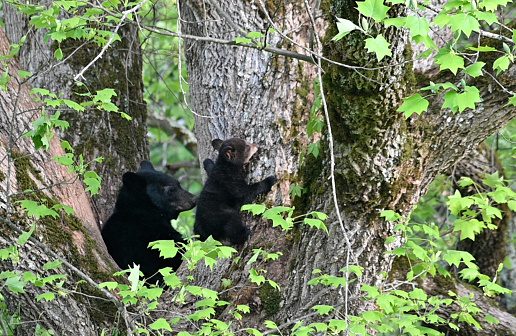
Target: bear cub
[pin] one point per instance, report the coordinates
(146, 203)
(225, 191)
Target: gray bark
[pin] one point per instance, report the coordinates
(122, 143)
(22, 166)
(382, 160)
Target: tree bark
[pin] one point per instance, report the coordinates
(70, 237)
(122, 143)
(382, 161)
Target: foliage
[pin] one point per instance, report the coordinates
(464, 19)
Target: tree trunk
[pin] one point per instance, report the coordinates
(69, 237)
(382, 160)
(93, 133)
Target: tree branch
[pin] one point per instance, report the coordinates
(172, 127)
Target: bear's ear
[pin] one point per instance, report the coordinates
(132, 180)
(229, 152)
(146, 165)
(217, 143)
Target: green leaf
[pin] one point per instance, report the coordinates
(418, 294)
(417, 25)
(126, 116)
(465, 181)
(374, 9)
(492, 5)
(449, 100)
(52, 265)
(314, 149)
(339, 326)
(483, 48)
(372, 291)
(319, 326)
(320, 215)
(46, 296)
(296, 190)
(493, 287)
(243, 40)
(488, 17)
(255, 35)
(345, 27)
(111, 285)
(73, 105)
(457, 203)
(492, 211)
(15, 284)
(271, 325)
(512, 205)
(378, 45)
(468, 229)
(167, 248)
(33, 209)
(501, 64)
(464, 22)
(316, 223)
(372, 316)
(93, 181)
(491, 320)
(390, 215)
(63, 160)
(24, 237)
(254, 332)
(255, 277)
(467, 99)
(66, 208)
(323, 309)
(413, 104)
(447, 59)
(24, 74)
(398, 22)
(160, 324)
(475, 70)
(58, 54)
(243, 308)
(255, 209)
(29, 277)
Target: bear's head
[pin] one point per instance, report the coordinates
(161, 190)
(235, 150)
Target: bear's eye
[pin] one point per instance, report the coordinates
(169, 190)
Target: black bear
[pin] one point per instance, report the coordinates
(146, 203)
(225, 191)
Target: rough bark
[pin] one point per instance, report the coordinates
(231, 98)
(71, 237)
(122, 143)
(382, 160)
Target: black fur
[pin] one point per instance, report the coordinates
(226, 190)
(146, 203)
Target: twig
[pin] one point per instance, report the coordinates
(228, 19)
